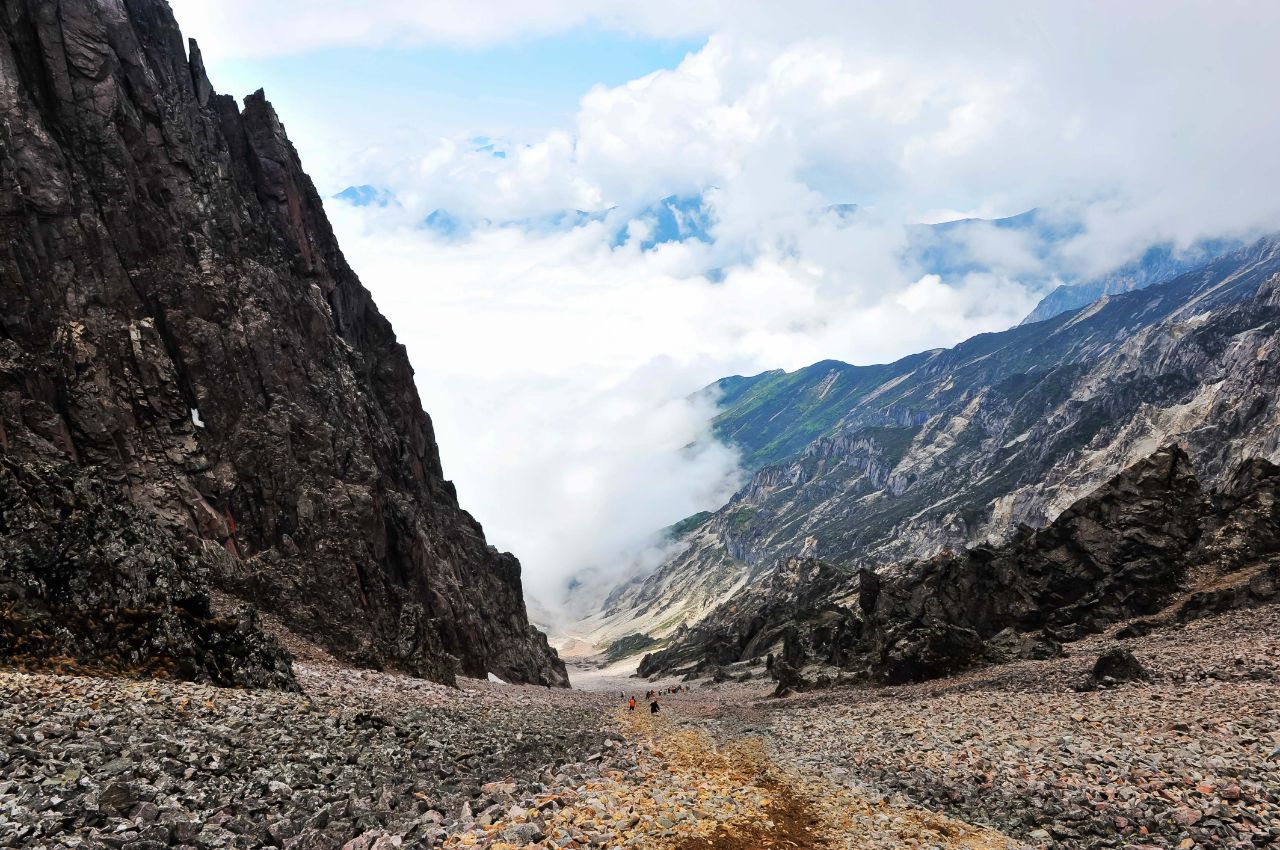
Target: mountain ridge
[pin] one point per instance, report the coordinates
(182, 325)
(952, 447)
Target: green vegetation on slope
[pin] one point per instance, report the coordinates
(684, 526)
(632, 644)
(774, 415)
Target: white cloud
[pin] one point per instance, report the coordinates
(557, 370)
(256, 28)
(556, 367)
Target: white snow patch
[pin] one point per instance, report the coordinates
(496, 680)
(195, 418)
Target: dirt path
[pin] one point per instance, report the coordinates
(688, 787)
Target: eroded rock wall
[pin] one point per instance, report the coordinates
(179, 322)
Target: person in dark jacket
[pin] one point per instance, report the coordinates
(653, 706)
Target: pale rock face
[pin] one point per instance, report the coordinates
(180, 325)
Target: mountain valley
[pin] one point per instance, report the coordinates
(1020, 593)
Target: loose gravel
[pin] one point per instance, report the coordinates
(998, 759)
(362, 756)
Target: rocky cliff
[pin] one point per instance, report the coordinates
(179, 327)
(953, 448)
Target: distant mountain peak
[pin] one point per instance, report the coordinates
(366, 196)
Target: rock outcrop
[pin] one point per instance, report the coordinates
(1132, 548)
(1118, 553)
(180, 327)
(806, 611)
(90, 583)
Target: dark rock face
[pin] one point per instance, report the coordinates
(1129, 549)
(90, 579)
(1259, 587)
(1243, 520)
(1011, 645)
(1126, 550)
(180, 325)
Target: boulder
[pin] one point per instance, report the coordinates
(790, 679)
(1116, 666)
(929, 651)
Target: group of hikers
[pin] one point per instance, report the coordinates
(652, 696)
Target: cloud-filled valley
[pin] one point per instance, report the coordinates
(560, 351)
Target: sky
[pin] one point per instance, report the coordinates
(523, 152)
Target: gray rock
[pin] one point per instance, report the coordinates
(1117, 665)
(523, 833)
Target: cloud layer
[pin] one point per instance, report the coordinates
(563, 373)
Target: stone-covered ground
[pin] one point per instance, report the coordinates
(116, 763)
(1189, 759)
(1004, 758)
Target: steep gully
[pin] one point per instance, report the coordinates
(197, 393)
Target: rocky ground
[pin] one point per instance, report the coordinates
(116, 763)
(1188, 759)
(1009, 757)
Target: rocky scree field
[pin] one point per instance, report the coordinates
(1030, 754)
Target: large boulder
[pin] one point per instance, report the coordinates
(88, 583)
(928, 651)
(1115, 666)
(790, 679)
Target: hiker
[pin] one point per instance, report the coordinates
(653, 706)
(632, 705)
